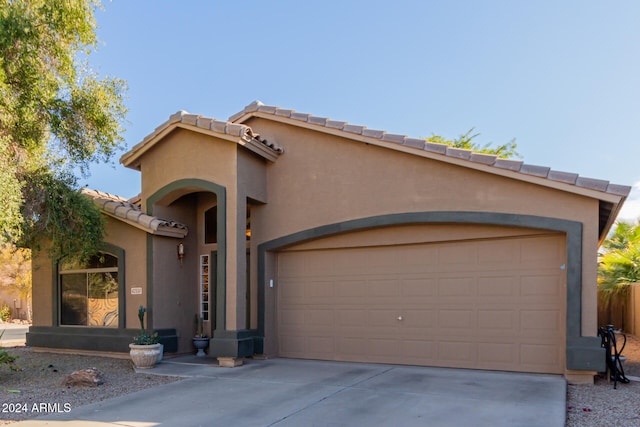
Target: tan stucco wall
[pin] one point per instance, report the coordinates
(184, 154)
(133, 241)
(42, 288)
(323, 179)
(188, 155)
(128, 238)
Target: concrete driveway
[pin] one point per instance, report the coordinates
(287, 392)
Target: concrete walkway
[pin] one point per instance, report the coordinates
(287, 392)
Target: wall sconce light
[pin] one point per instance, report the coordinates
(180, 252)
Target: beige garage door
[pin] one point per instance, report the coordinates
(487, 304)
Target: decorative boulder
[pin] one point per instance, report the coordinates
(90, 377)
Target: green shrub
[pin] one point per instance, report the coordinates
(6, 358)
(5, 313)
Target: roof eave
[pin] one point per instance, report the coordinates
(615, 211)
(233, 132)
(131, 158)
(179, 233)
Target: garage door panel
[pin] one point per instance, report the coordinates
(449, 304)
(382, 317)
(420, 258)
(497, 286)
(291, 317)
(351, 318)
(350, 288)
(350, 348)
(318, 289)
(496, 354)
(459, 353)
(418, 287)
(419, 318)
(539, 323)
(383, 287)
(451, 255)
(497, 321)
(541, 251)
(457, 286)
(539, 355)
(456, 319)
(293, 345)
(319, 345)
(290, 289)
(541, 284)
(498, 254)
(384, 347)
(319, 317)
(419, 350)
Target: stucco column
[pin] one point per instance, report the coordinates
(232, 260)
(231, 339)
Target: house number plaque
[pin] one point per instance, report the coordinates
(136, 291)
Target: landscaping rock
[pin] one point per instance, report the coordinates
(90, 377)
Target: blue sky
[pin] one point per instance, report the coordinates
(562, 78)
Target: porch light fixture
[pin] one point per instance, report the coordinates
(180, 251)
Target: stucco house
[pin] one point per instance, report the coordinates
(298, 236)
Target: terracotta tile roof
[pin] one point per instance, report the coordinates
(243, 133)
(441, 149)
(131, 213)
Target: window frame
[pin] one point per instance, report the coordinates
(110, 249)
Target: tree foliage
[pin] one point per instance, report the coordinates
(15, 273)
(56, 117)
(467, 141)
(619, 260)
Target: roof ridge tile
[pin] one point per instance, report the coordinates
(335, 124)
(374, 133)
(484, 158)
(509, 164)
(283, 112)
(568, 177)
(357, 129)
(414, 142)
(300, 116)
(393, 137)
(541, 171)
(190, 119)
(435, 147)
(267, 109)
(317, 120)
(459, 153)
(593, 183)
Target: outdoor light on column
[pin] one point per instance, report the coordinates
(180, 252)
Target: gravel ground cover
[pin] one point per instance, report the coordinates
(42, 375)
(600, 405)
(37, 388)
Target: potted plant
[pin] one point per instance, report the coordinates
(145, 349)
(200, 339)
